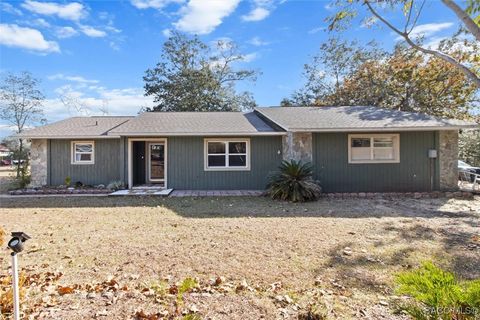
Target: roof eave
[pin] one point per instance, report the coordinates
(67, 137)
(369, 129)
(202, 134)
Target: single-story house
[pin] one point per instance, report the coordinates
(352, 149)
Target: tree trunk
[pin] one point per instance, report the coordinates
(20, 152)
(466, 19)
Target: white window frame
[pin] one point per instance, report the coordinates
(227, 167)
(73, 152)
(396, 147)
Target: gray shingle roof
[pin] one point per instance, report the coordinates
(194, 123)
(316, 119)
(356, 118)
(76, 127)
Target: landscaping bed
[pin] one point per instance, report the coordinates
(60, 190)
(232, 257)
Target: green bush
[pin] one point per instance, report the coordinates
(437, 295)
(293, 182)
(25, 178)
(68, 181)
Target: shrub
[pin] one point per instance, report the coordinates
(68, 181)
(437, 295)
(116, 185)
(293, 182)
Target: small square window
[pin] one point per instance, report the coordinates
(237, 161)
(361, 142)
(237, 147)
(374, 148)
(216, 147)
(82, 152)
(227, 154)
(216, 161)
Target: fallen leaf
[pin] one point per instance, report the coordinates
(65, 290)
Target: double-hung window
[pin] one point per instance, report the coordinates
(223, 154)
(83, 152)
(373, 148)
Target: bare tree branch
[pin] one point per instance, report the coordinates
(445, 57)
(466, 19)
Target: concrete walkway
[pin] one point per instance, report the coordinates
(215, 193)
(140, 192)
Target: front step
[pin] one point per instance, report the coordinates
(143, 192)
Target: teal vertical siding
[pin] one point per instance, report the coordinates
(122, 160)
(413, 173)
(185, 166)
(105, 169)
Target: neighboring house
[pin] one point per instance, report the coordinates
(5, 152)
(352, 149)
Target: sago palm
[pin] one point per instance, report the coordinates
(293, 182)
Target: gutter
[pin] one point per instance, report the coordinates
(364, 129)
(195, 134)
(68, 137)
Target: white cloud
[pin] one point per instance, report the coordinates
(256, 14)
(316, 30)
(38, 23)
(260, 11)
(155, 4)
(329, 6)
(427, 29)
(369, 22)
(256, 41)
(250, 57)
(72, 11)
(7, 7)
(65, 32)
(112, 29)
(41, 23)
(12, 35)
(203, 16)
(92, 32)
(79, 79)
(94, 101)
(7, 130)
(167, 33)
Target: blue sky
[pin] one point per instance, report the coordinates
(94, 53)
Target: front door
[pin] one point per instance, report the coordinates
(156, 162)
(139, 161)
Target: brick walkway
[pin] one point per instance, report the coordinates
(215, 193)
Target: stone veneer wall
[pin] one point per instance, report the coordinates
(448, 157)
(297, 146)
(38, 162)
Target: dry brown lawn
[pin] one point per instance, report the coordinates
(7, 174)
(122, 256)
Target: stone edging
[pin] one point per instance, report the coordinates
(34, 192)
(397, 195)
(353, 195)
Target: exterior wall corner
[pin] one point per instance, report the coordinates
(38, 162)
(448, 157)
(297, 146)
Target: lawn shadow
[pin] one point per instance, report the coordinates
(252, 207)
